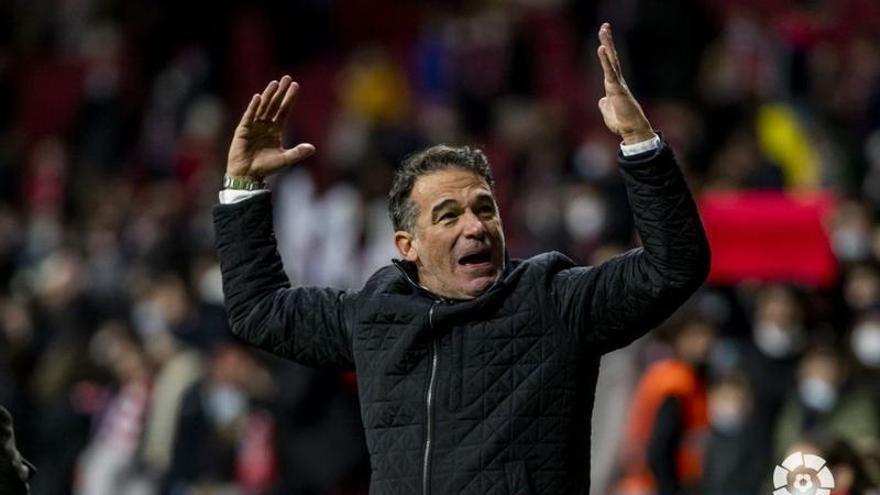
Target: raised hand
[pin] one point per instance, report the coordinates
(622, 113)
(256, 150)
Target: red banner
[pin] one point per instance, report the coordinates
(769, 236)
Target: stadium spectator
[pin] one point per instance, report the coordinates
(826, 401)
(668, 419)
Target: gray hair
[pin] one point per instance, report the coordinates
(402, 211)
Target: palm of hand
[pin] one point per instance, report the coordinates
(622, 113)
(256, 150)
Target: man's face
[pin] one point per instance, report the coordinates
(457, 243)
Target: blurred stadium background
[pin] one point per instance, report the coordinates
(114, 121)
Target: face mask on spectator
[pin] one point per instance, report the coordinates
(851, 244)
(866, 343)
(776, 341)
(726, 416)
(148, 320)
(818, 394)
(224, 404)
(594, 161)
(211, 286)
(585, 217)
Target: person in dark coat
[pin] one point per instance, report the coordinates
(14, 469)
(476, 372)
(733, 463)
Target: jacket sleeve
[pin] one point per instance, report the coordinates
(613, 304)
(304, 324)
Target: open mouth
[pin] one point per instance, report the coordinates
(479, 258)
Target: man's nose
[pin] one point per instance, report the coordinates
(473, 226)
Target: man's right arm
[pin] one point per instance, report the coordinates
(307, 325)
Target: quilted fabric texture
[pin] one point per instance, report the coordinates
(487, 396)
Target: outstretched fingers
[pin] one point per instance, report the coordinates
(277, 97)
(250, 112)
(276, 161)
(607, 68)
(298, 153)
(608, 57)
(273, 104)
(265, 99)
(606, 38)
(257, 147)
(287, 103)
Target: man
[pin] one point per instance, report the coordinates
(14, 469)
(476, 373)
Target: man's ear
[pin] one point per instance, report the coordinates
(407, 245)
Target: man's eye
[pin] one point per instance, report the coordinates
(446, 216)
(486, 210)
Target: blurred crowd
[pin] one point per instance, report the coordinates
(115, 356)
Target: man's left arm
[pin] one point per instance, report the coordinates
(614, 303)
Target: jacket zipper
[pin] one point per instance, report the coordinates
(429, 406)
(432, 377)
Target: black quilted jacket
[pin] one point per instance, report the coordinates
(487, 396)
